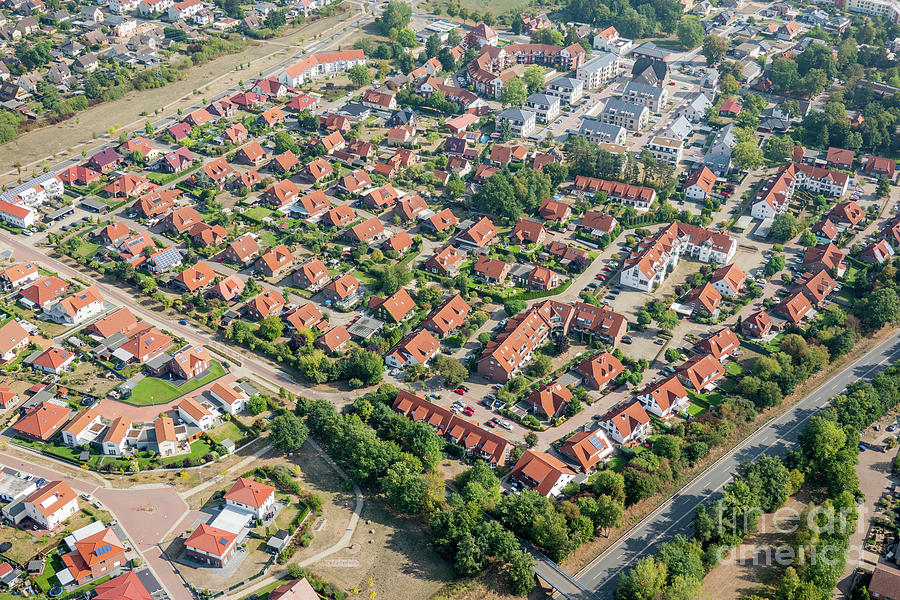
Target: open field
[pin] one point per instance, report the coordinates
(66, 138)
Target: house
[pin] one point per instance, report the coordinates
(189, 362)
(195, 277)
(609, 326)
(166, 442)
(275, 262)
(210, 545)
(355, 182)
(147, 345)
(79, 175)
(597, 71)
(728, 280)
(847, 212)
(311, 275)
(879, 166)
(400, 242)
(164, 260)
(218, 171)
(51, 505)
(410, 207)
(878, 252)
(396, 307)
(505, 355)
(12, 339)
(699, 184)
(193, 412)
(198, 117)
(127, 586)
(333, 340)
(795, 307)
(207, 235)
(479, 235)
(445, 261)
(540, 278)
(113, 234)
(718, 155)
(265, 304)
(272, 116)
(242, 250)
(554, 210)
(284, 162)
(304, 317)
(230, 397)
(723, 344)
(252, 497)
(651, 96)
(885, 581)
(95, 556)
(703, 300)
(774, 196)
(481, 35)
(76, 308)
(666, 150)
(597, 371)
(596, 223)
(448, 317)
(114, 440)
(521, 122)
(700, 372)
(527, 231)
(757, 325)
(477, 442)
(339, 216)
(381, 197)
(379, 100)
(42, 293)
(840, 158)
(824, 256)
(185, 9)
(250, 154)
(281, 194)
(587, 449)
(182, 219)
(367, 231)
(140, 145)
(817, 286)
(42, 421)
(730, 108)
(229, 288)
(344, 291)
(235, 134)
(788, 30)
(640, 197)
(294, 590)
(549, 400)
(317, 170)
(19, 275)
(545, 474)
(128, 185)
(825, 231)
(664, 398)
(417, 348)
(626, 424)
(491, 270)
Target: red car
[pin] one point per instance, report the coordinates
(460, 391)
(607, 268)
(491, 424)
(220, 259)
(468, 413)
(601, 277)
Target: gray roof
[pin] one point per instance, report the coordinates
(542, 99)
(592, 126)
(700, 103)
(517, 114)
(623, 107)
(652, 50)
(602, 60)
(566, 82)
(680, 129)
(642, 89)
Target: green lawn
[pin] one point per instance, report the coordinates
(87, 249)
(198, 449)
(695, 409)
(267, 239)
(258, 213)
(228, 431)
(734, 368)
(152, 390)
(263, 593)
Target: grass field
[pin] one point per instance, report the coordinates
(258, 213)
(228, 431)
(152, 390)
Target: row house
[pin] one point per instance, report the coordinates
(641, 198)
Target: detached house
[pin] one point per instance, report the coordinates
(597, 371)
(366, 231)
(311, 275)
(242, 250)
(345, 291)
(700, 372)
(76, 308)
(415, 349)
(394, 308)
(275, 262)
(445, 261)
(549, 400)
(664, 398)
(542, 472)
(626, 424)
(448, 317)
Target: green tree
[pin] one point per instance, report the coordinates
(453, 371)
(521, 572)
(455, 187)
(882, 307)
(256, 404)
(395, 16)
(433, 45)
(403, 489)
(270, 328)
(778, 148)
(747, 155)
(513, 93)
(714, 48)
(774, 265)
(784, 227)
(512, 307)
(808, 238)
(392, 277)
(728, 85)
(534, 78)
(287, 433)
(884, 187)
(690, 32)
(360, 75)
(646, 581)
(667, 320)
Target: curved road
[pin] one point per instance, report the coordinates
(676, 515)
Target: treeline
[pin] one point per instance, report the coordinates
(632, 18)
(826, 456)
(508, 194)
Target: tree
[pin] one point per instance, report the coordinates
(774, 265)
(746, 155)
(287, 432)
(808, 238)
(645, 581)
(359, 75)
(513, 93)
(672, 354)
(769, 480)
(270, 328)
(778, 148)
(433, 45)
(406, 37)
(667, 320)
(542, 365)
(455, 187)
(393, 276)
(884, 187)
(403, 489)
(453, 371)
(275, 19)
(534, 78)
(882, 307)
(714, 48)
(505, 130)
(784, 226)
(609, 513)
(256, 404)
(729, 85)
(395, 16)
(521, 572)
(283, 142)
(690, 32)
(609, 483)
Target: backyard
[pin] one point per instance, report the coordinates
(153, 390)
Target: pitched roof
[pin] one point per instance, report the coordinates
(540, 471)
(587, 448)
(230, 287)
(730, 275)
(448, 316)
(11, 335)
(600, 369)
(702, 178)
(211, 540)
(721, 344)
(481, 232)
(245, 247)
(398, 305)
(550, 398)
(665, 392)
(127, 586)
(249, 492)
(627, 418)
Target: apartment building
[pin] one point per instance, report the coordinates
(567, 89)
(544, 106)
(597, 71)
(629, 115)
(666, 149)
(521, 122)
(651, 96)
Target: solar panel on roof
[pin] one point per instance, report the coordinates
(102, 550)
(596, 443)
(223, 541)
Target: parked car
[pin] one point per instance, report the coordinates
(506, 425)
(627, 339)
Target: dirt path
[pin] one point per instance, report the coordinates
(87, 130)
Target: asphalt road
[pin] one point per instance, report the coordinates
(676, 515)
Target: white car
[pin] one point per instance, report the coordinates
(506, 425)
